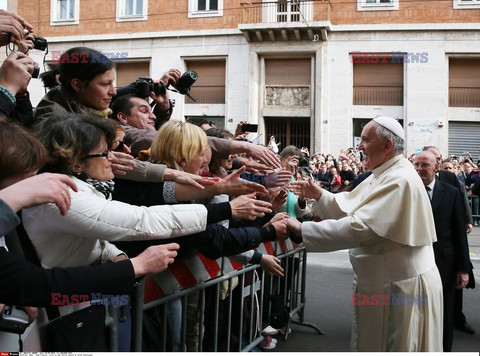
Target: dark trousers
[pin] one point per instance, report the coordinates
(448, 315)
(459, 317)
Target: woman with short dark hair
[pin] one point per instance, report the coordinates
(86, 85)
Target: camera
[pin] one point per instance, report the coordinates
(39, 43)
(144, 85)
(185, 82)
(13, 320)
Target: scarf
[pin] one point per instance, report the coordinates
(102, 113)
(104, 187)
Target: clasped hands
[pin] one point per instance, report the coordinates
(285, 226)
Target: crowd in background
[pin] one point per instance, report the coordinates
(338, 173)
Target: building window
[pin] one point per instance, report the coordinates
(466, 4)
(375, 5)
(129, 72)
(464, 82)
(210, 85)
(205, 8)
(64, 12)
(378, 83)
(132, 10)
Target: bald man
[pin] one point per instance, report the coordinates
(451, 249)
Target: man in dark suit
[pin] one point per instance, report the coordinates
(451, 249)
(449, 177)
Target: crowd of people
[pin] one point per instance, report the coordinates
(112, 189)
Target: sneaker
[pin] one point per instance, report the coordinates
(269, 331)
(268, 343)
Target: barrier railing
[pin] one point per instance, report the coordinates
(232, 305)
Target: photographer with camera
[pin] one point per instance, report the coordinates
(143, 87)
(139, 119)
(17, 69)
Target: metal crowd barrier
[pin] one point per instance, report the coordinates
(235, 322)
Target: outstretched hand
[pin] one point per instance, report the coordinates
(122, 163)
(306, 189)
(264, 155)
(278, 178)
(154, 259)
(40, 189)
(235, 185)
(247, 207)
(271, 265)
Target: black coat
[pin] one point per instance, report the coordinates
(23, 283)
(451, 248)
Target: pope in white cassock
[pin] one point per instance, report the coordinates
(388, 225)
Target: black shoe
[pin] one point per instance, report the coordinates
(467, 328)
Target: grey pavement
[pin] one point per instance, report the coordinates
(329, 305)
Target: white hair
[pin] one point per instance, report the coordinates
(385, 134)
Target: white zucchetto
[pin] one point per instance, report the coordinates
(392, 125)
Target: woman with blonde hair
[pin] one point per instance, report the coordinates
(181, 146)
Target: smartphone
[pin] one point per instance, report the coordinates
(13, 320)
(250, 127)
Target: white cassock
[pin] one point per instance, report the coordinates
(388, 225)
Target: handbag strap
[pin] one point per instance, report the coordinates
(31, 256)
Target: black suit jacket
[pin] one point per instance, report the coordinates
(451, 248)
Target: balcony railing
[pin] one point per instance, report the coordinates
(285, 11)
(207, 94)
(378, 95)
(464, 97)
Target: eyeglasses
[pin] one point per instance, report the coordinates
(98, 155)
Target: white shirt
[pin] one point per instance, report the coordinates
(431, 186)
(2, 243)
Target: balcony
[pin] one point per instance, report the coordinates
(285, 20)
(207, 95)
(464, 97)
(378, 95)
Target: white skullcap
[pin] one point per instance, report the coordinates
(391, 124)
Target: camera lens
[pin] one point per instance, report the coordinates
(185, 81)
